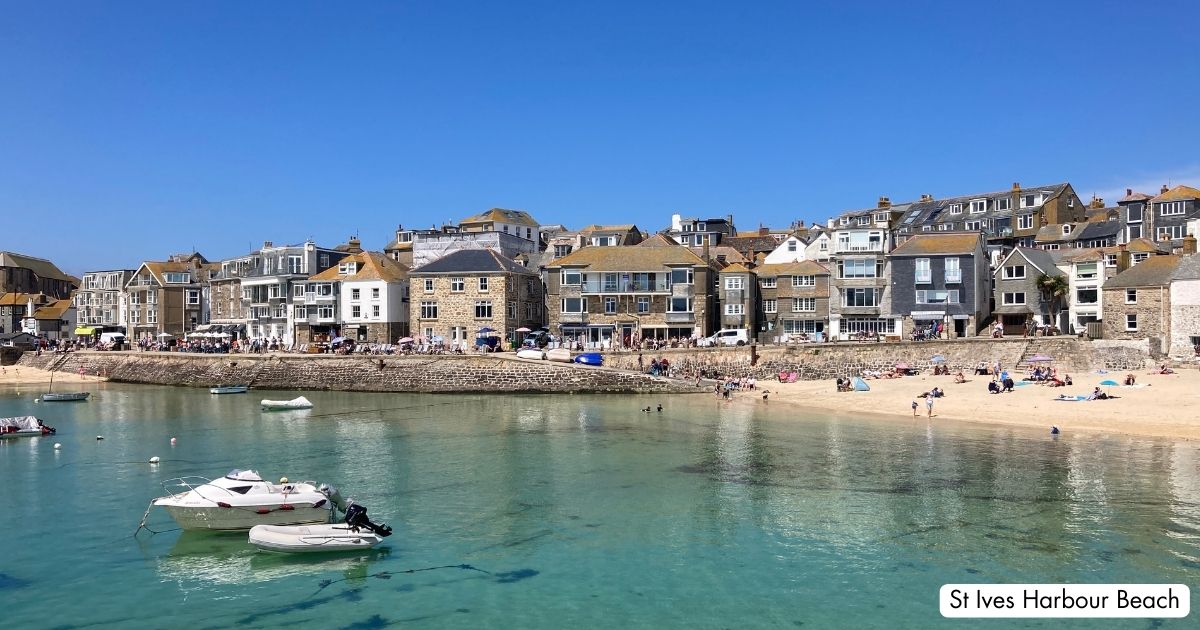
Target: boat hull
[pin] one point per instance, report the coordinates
(561, 355)
(283, 405)
(590, 358)
(312, 538)
(242, 518)
(530, 354)
(72, 397)
(231, 389)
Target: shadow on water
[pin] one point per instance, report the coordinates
(8, 581)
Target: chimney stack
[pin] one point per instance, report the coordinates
(1128, 192)
(355, 246)
(884, 202)
(1189, 244)
(1016, 186)
(267, 244)
(1163, 190)
(1122, 258)
(1096, 202)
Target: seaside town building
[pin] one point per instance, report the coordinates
(101, 304)
(1020, 299)
(941, 282)
(1137, 301)
(860, 304)
(471, 294)
(793, 300)
(651, 290)
(21, 273)
(367, 293)
(810, 244)
(1184, 299)
(165, 298)
(509, 233)
(1172, 210)
(1087, 270)
(737, 294)
(37, 314)
(699, 232)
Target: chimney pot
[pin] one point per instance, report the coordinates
(267, 244)
(1128, 192)
(1016, 185)
(764, 231)
(1163, 190)
(1189, 244)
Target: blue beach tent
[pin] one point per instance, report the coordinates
(860, 385)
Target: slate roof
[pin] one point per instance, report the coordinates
(517, 217)
(476, 261)
(801, 268)
(1188, 269)
(1134, 196)
(1177, 193)
(942, 244)
(1155, 271)
(40, 266)
(750, 245)
(629, 258)
(1043, 260)
(371, 266)
(736, 268)
(659, 240)
(731, 255)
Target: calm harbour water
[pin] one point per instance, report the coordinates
(583, 510)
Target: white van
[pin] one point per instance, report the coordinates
(728, 337)
(112, 337)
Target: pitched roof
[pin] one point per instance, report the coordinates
(629, 258)
(749, 245)
(735, 268)
(20, 299)
(1134, 196)
(607, 228)
(518, 217)
(1155, 271)
(1178, 192)
(801, 268)
(475, 261)
(1083, 255)
(658, 240)
(158, 268)
(1188, 269)
(40, 266)
(1041, 259)
(1143, 244)
(715, 252)
(371, 266)
(948, 243)
(53, 310)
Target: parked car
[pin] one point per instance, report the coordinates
(727, 337)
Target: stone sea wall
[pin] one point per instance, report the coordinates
(822, 361)
(379, 374)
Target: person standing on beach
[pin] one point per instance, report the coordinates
(914, 407)
(929, 406)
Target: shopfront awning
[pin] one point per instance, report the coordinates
(84, 331)
(1013, 309)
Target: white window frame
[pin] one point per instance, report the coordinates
(483, 284)
(1025, 222)
(735, 283)
(1010, 272)
(1131, 296)
(1171, 208)
(804, 305)
(768, 283)
(770, 306)
(458, 284)
(1009, 298)
(955, 208)
(1131, 322)
(735, 309)
(978, 206)
(804, 281)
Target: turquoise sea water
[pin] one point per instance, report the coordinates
(584, 512)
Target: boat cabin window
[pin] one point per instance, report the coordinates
(241, 489)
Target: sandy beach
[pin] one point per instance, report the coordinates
(1160, 405)
(17, 375)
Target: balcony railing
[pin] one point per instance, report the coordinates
(851, 247)
(626, 286)
(954, 276)
(924, 276)
(679, 317)
(573, 318)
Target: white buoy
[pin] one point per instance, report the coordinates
(154, 460)
(57, 445)
(283, 480)
(37, 400)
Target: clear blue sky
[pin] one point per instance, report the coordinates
(130, 130)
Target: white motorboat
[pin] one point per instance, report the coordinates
(229, 389)
(242, 499)
(23, 426)
(66, 397)
(356, 534)
(530, 353)
(295, 403)
(561, 355)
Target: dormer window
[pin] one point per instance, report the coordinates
(881, 217)
(701, 227)
(844, 221)
(347, 268)
(1066, 229)
(1030, 201)
(956, 208)
(978, 206)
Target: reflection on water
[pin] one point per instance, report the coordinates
(552, 511)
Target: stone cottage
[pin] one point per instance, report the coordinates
(461, 294)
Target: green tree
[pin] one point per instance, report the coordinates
(1054, 289)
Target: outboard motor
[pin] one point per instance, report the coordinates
(335, 498)
(356, 517)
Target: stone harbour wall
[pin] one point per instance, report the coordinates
(428, 374)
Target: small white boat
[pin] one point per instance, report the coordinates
(229, 389)
(65, 397)
(357, 533)
(561, 355)
(312, 538)
(23, 426)
(241, 500)
(295, 403)
(530, 353)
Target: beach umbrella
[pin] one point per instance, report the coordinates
(937, 358)
(438, 339)
(406, 340)
(165, 335)
(1040, 358)
(523, 329)
(220, 335)
(1109, 382)
(485, 329)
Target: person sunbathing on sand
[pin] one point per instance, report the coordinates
(959, 378)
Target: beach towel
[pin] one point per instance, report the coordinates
(1109, 382)
(860, 385)
(1072, 399)
(1023, 383)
